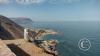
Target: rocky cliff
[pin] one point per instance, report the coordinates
(9, 29)
(4, 50)
(12, 35)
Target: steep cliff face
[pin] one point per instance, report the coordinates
(9, 29)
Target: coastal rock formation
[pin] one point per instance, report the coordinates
(13, 36)
(9, 29)
(4, 50)
(22, 48)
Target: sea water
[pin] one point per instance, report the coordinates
(70, 33)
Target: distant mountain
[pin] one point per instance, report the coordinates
(9, 29)
(25, 22)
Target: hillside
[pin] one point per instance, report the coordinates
(9, 29)
(23, 21)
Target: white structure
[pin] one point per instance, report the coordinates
(26, 34)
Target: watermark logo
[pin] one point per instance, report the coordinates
(84, 44)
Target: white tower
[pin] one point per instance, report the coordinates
(26, 34)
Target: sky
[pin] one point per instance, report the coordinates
(52, 10)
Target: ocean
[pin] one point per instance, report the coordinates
(69, 35)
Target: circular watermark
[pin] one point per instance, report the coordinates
(84, 44)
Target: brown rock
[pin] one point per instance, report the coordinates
(4, 50)
(9, 29)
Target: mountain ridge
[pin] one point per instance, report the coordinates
(23, 21)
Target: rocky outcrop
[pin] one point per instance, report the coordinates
(9, 29)
(4, 50)
(22, 48)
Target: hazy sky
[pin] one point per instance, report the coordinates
(52, 10)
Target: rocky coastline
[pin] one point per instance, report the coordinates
(12, 35)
